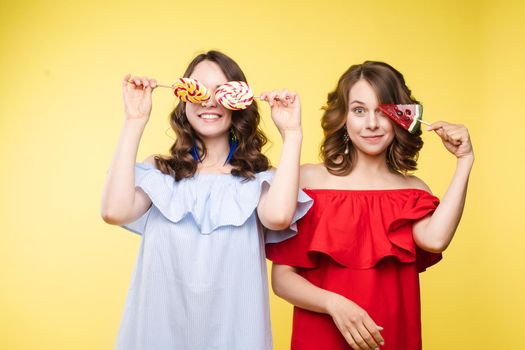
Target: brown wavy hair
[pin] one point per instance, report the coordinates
(247, 159)
(389, 86)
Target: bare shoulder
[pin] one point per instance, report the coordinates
(151, 159)
(416, 182)
(308, 170)
(310, 174)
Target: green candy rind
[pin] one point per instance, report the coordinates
(416, 122)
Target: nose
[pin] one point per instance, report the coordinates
(372, 122)
(211, 102)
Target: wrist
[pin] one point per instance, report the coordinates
(467, 159)
(292, 134)
(139, 123)
(330, 301)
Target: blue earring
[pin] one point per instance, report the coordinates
(195, 152)
(234, 143)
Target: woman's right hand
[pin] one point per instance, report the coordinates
(286, 110)
(354, 323)
(136, 92)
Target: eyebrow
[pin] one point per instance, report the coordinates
(357, 101)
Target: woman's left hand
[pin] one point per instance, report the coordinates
(286, 109)
(455, 137)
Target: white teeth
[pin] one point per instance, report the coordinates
(210, 116)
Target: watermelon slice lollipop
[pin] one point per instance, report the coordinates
(406, 116)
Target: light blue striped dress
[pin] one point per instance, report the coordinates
(200, 280)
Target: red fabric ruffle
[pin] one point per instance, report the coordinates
(358, 228)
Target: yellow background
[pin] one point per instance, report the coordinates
(64, 273)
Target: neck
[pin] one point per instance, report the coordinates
(370, 164)
(217, 150)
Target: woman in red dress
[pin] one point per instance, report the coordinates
(352, 270)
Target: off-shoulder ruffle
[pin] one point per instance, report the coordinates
(212, 200)
(357, 229)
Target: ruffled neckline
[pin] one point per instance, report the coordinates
(212, 200)
(359, 228)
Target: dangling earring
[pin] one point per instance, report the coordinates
(234, 143)
(346, 139)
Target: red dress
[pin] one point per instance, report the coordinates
(359, 244)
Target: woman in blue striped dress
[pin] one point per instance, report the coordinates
(204, 214)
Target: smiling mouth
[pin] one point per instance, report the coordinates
(209, 116)
(373, 139)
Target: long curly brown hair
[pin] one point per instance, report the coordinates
(247, 159)
(390, 88)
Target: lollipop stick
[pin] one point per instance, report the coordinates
(424, 122)
(158, 85)
(165, 86)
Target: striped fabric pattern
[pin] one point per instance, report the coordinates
(200, 280)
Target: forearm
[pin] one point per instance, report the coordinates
(281, 200)
(443, 224)
(295, 289)
(119, 190)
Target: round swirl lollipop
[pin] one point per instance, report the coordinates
(234, 95)
(190, 90)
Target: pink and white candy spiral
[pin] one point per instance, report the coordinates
(234, 95)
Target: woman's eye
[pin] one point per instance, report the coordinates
(359, 110)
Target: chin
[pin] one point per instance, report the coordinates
(376, 154)
(210, 130)
(212, 133)
(373, 151)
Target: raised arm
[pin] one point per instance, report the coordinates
(435, 232)
(277, 205)
(354, 323)
(121, 202)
